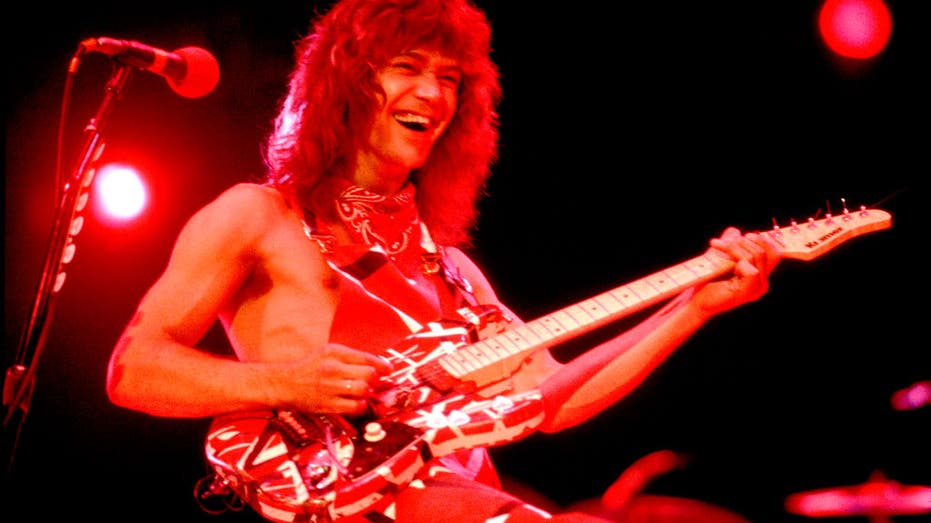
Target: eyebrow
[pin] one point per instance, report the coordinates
(446, 63)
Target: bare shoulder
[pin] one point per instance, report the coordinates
(251, 200)
(267, 227)
(245, 210)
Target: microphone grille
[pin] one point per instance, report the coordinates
(203, 73)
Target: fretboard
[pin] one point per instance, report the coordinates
(496, 357)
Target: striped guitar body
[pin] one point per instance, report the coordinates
(294, 466)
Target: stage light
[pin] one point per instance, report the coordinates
(857, 29)
(120, 193)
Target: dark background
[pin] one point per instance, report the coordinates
(630, 135)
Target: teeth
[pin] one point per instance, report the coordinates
(412, 119)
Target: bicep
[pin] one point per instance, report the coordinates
(210, 260)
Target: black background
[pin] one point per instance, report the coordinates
(630, 135)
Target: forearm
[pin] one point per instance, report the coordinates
(600, 377)
(164, 378)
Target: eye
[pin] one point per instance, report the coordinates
(405, 66)
(450, 79)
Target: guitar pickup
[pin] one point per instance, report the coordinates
(301, 429)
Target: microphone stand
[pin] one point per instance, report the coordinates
(19, 382)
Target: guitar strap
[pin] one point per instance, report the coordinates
(451, 272)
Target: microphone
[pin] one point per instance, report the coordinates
(191, 72)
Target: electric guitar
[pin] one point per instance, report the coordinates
(449, 391)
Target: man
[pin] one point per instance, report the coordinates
(353, 243)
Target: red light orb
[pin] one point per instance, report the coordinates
(857, 29)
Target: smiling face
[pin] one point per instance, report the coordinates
(418, 100)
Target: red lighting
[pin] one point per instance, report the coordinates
(917, 395)
(120, 193)
(879, 496)
(855, 28)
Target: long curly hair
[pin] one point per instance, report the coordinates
(332, 95)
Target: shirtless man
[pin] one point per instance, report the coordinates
(379, 154)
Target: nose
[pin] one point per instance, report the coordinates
(428, 86)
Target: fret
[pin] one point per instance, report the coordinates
(517, 338)
(540, 330)
(565, 319)
(579, 314)
(484, 353)
(466, 360)
(500, 351)
(716, 263)
(595, 309)
(552, 325)
(700, 266)
(661, 283)
(450, 364)
(501, 345)
(625, 296)
(696, 268)
(508, 344)
(524, 331)
(610, 302)
(485, 347)
(642, 289)
(680, 274)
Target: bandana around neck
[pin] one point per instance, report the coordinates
(394, 226)
(392, 223)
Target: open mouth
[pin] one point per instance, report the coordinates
(414, 122)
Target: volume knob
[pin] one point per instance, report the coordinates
(374, 432)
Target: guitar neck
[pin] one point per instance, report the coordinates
(496, 357)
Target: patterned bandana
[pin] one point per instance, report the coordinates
(392, 223)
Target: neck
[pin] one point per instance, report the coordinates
(379, 177)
